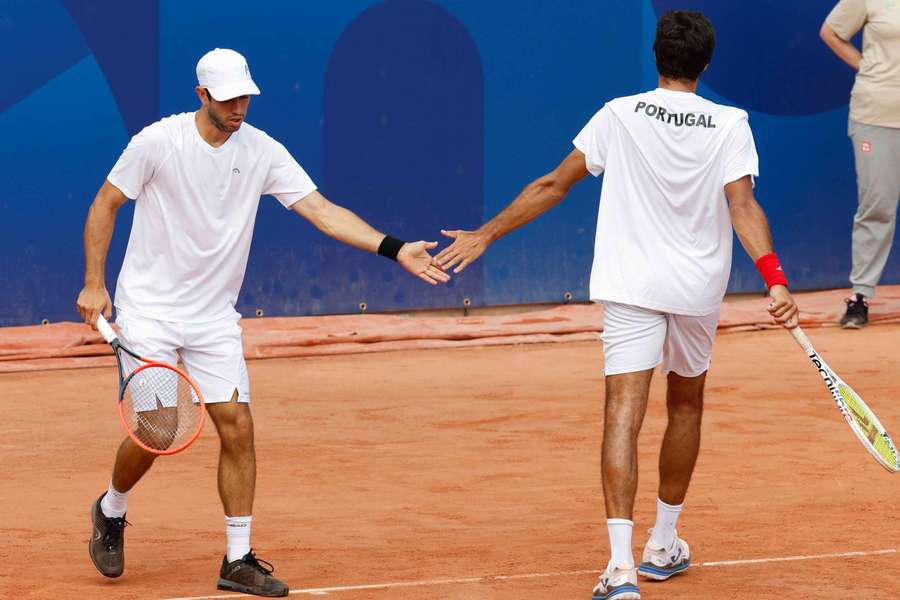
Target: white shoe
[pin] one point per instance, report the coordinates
(618, 584)
(660, 563)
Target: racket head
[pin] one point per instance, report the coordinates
(161, 408)
(866, 426)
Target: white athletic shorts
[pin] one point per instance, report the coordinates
(637, 339)
(212, 353)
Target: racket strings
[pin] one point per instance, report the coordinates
(161, 408)
(867, 423)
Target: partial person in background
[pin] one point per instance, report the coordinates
(875, 131)
(197, 178)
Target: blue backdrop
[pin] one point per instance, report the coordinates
(417, 115)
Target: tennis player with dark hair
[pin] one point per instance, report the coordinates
(197, 178)
(679, 175)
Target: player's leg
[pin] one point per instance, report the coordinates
(681, 442)
(633, 340)
(132, 462)
(153, 339)
(632, 345)
(877, 153)
(156, 340)
(213, 356)
(687, 355)
(626, 404)
(107, 545)
(237, 455)
(665, 554)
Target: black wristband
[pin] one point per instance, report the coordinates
(390, 247)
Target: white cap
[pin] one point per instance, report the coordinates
(225, 74)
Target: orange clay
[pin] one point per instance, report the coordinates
(449, 464)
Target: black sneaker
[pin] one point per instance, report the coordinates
(857, 315)
(249, 576)
(107, 545)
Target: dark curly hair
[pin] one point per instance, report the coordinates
(684, 44)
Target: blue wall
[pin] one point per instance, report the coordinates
(418, 115)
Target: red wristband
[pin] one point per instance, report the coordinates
(771, 271)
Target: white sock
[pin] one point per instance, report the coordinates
(666, 517)
(237, 530)
(620, 542)
(115, 503)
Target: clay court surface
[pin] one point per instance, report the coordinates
(476, 466)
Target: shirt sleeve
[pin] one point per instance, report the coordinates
(593, 141)
(139, 162)
(847, 18)
(740, 153)
(286, 180)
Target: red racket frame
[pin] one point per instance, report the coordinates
(132, 434)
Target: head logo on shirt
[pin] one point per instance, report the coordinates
(235, 171)
(866, 147)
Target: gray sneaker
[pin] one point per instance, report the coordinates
(857, 315)
(107, 545)
(250, 575)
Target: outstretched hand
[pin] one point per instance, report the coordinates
(465, 249)
(414, 257)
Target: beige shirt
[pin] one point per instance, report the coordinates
(875, 99)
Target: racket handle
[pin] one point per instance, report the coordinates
(105, 330)
(801, 339)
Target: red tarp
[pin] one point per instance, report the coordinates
(74, 345)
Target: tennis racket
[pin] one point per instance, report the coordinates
(161, 408)
(860, 417)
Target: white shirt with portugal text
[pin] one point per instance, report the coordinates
(194, 214)
(664, 230)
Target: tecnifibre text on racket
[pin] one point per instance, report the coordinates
(858, 415)
(161, 408)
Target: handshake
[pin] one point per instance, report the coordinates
(466, 247)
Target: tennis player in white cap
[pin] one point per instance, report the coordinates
(197, 178)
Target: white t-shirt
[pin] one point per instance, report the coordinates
(194, 215)
(664, 227)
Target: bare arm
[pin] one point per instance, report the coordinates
(752, 228)
(345, 226)
(748, 218)
(98, 229)
(844, 50)
(538, 197)
(338, 222)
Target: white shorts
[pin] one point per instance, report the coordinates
(212, 353)
(637, 339)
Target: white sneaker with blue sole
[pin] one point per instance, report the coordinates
(617, 584)
(659, 563)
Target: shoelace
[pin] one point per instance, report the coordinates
(113, 536)
(257, 564)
